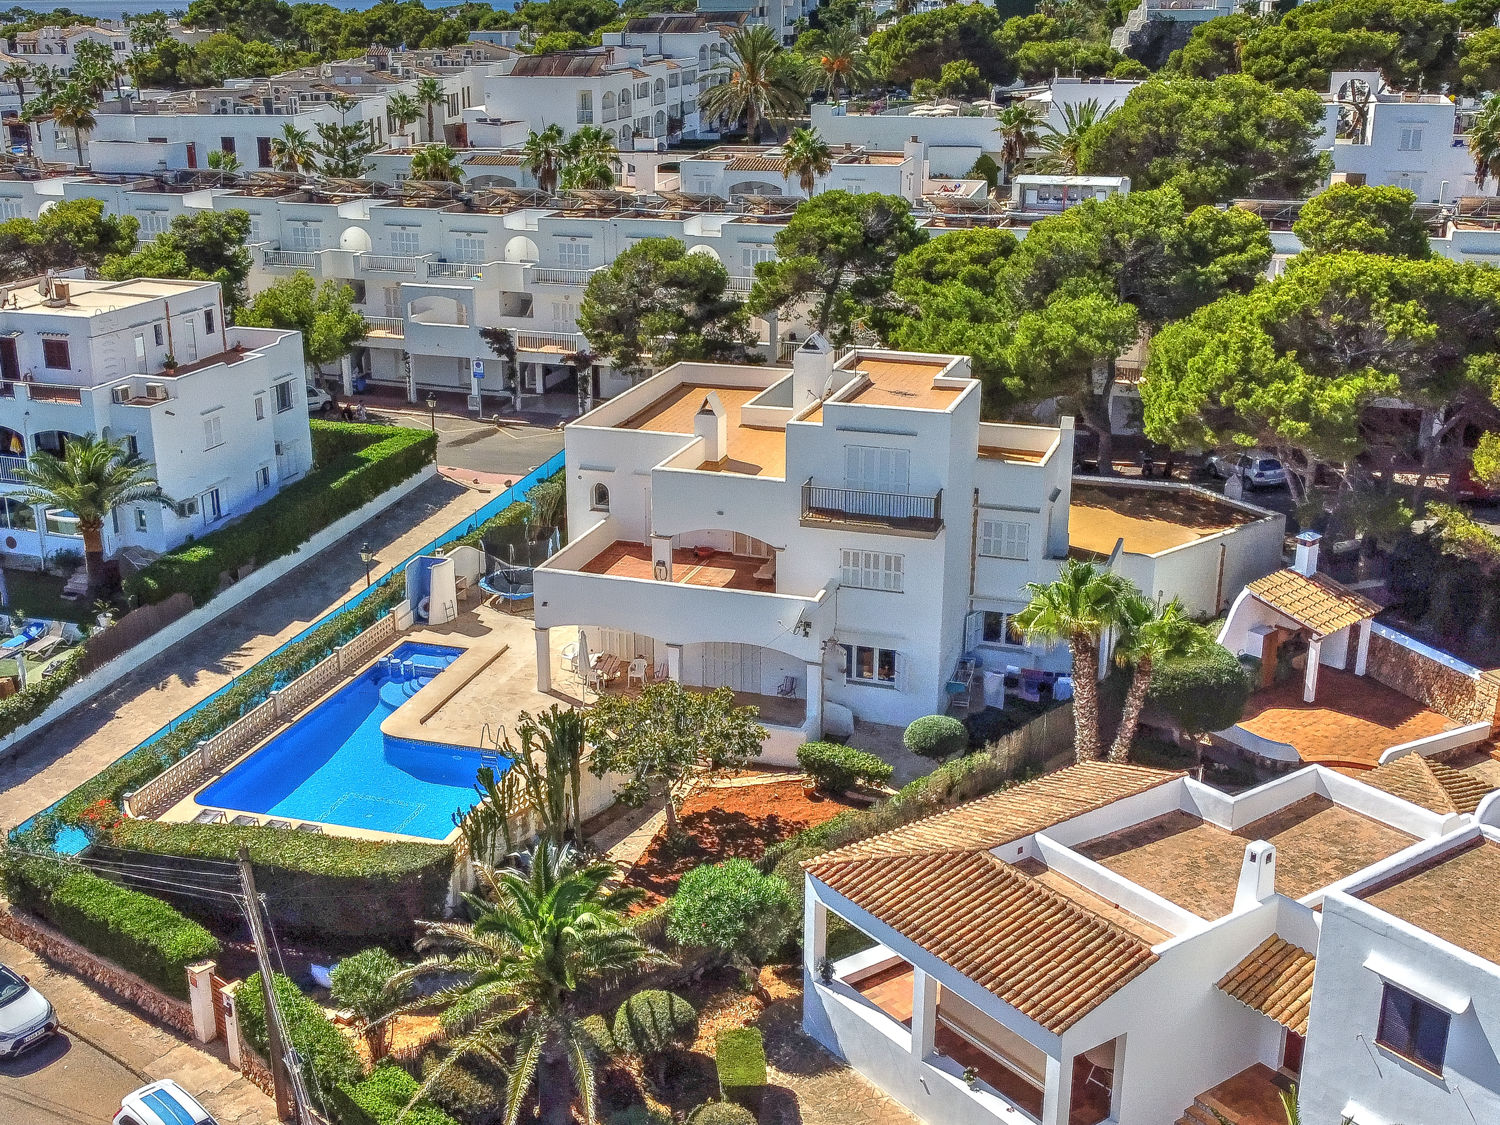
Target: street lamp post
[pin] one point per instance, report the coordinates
(367, 557)
(432, 411)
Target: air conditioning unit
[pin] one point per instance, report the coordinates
(121, 394)
(186, 508)
(156, 392)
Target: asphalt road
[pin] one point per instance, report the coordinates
(63, 1082)
(467, 443)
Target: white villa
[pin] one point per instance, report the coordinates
(848, 540)
(225, 429)
(1117, 944)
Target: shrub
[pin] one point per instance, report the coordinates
(282, 524)
(328, 1059)
(383, 1098)
(653, 1023)
(721, 1113)
(134, 930)
(359, 982)
(314, 884)
(1202, 693)
(936, 736)
(39, 694)
(468, 1090)
(733, 908)
(601, 1040)
(836, 768)
(639, 1115)
(740, 1056)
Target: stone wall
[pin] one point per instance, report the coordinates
(40, 938)
(1446, 690)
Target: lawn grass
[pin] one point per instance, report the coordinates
(40, 595)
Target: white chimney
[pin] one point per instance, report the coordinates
(812, 366)
(712, 425)
(1307, 553)
(1257, 875)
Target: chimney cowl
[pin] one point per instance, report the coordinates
(1306, 559)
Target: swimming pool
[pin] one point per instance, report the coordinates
(334, 766)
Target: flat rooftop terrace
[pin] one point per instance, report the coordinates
(86, 298)
(720, 569)
(904, 382)
(1150, 520)
(1196, 865)
(753, 450)
(1452, 896)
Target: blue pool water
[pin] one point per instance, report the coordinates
(335, 767)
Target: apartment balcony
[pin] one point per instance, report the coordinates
(456, 271)
(384, 328)
(904, 512)
(292, 260)
(742, 287)
(10, 469)
(56, 393)
(556, 344)
(404, 264)
(552, 275)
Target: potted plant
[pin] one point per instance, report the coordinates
(825, 970)
(169, 364)
(809, 788)
(971, 1077)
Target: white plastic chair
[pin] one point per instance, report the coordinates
(636, 673)
(570, 657)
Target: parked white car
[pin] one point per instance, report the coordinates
(1256, 469)
(162, 1103)
(26, 1018)
(318, 400)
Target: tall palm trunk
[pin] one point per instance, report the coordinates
(78, 143)
(1086, 697)
(93, 553)
(1135, 700)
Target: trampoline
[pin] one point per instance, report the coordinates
(509, 584)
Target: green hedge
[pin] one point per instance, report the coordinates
(315, 885)
(134, 930)
(39, 694)
(936, 736)
(251, 689)
(282, 524)
(333, 440)
(740, 1056)
(328, 1057)
(836, 768)
(381, 1099)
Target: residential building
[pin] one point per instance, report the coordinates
(744, 170)
(780, 16)
(835, 540)
(225, 428)
(1116, 944)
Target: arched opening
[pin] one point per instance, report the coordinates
(756, 187)
(521, 249)
(703, 56)
(356, 239)
(607, 104)
(661, 125)
(706, 251)
(659, 91)
(54, 442)
(627, 136)
(437, 310)
(12, 444)
(624, 103)
(599, 498)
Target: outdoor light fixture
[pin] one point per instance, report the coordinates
(367, 557)
(432, 411)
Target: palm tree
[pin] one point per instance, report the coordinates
(74, 108)
(1079, 608)
(590, 142)
(1061, 146)
(588, 172)
(807, 155)
(429, 94)
(403, 110)
(92, 478)
(292, 151)
(18, 73)
(438, 163)
(1018, 126)
(224, 161)
(511, 978)
(1150, 634)
(1484, 142)
(545, 153)
(842, 61)
(45, 80)
(761, 82)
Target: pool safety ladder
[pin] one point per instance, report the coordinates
(492, 736)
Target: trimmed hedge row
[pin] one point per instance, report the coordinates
(740, 1057)
(251, 689)
(836, 768)
(282, 524)
(315, 885)
(381, 1099)
(333, 440)
(137, 932)
(29, 703)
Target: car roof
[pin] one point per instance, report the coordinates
(166, 1103)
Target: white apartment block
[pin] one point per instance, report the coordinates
(745, 170)
(831, 541)
(1117, 944)
(780, 16)
(225, 429)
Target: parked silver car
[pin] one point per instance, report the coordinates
(1256, 469)
(26, 1018)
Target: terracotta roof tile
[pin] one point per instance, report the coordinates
(1010, 814)
(493, 160)
(1276, 980)
(1317, 603)
(1038, 951)
(1432, 785)
(756, 164)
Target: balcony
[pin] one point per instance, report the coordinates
(742, 287)
(454, 271)
(42, 392)
(555, 343)
(292, 260)
(551, 275)
(389, 263)
(385, 327)
(894, 511)
(8, 469)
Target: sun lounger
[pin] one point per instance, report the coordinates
(247, 820)
(48, 641)
(25, 636)
(306, 827)
(278, 824)
(210, 816)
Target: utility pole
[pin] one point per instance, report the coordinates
(280, 1079)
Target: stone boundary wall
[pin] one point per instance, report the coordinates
(1464, 699)
(40, 938)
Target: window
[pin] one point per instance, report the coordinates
(469, 249)
(1413, 1028)
(60, 522)
(226, 145)
(754, 255)
(132, 449)
(599, 500)
(55, 355)
(865, 664)
(585, 107)
(1411, 138)
(999, 628)
(213, 432)
(10, 209)
(874, 468)
(17, 516)
(262, 478)
(156, 334)
(140, 519)
(1004, 539)
(140, 351)
(872, 570)
(573, 255)
(283, 393)
(208, 320)
(406, 242)
(153, 222)
(262, 152)
(260, 408)
(212, 509)
(306, 236)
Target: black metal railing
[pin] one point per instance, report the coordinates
(902, 509)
